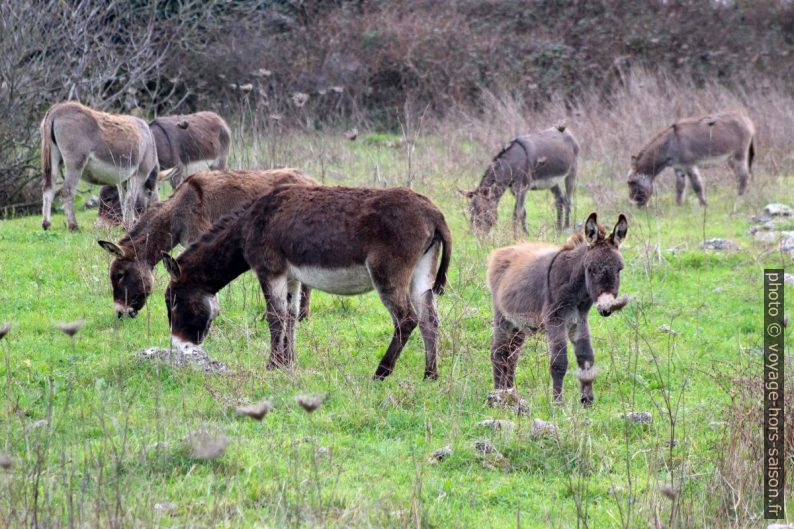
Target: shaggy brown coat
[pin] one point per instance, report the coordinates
(203, 199)
(340, 240)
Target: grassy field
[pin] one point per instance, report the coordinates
(96, 435)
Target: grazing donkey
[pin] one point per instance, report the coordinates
(191, 143)
(542, 287)
(340, 240)
(542, 160)
(691, 142)
(181, 219)
(102, 149)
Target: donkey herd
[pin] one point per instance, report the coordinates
(297, 235)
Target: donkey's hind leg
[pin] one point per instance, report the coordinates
(742, 171)
(680, 186)
(560, 204)
(520, 210)
(424, 303)
(73, 173)
(294, 306)
(697, 184)
(48, 187)
(275, 291)
(505, 349)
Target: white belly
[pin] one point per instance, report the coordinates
(345, 281)
(99, 172)
(546, 183)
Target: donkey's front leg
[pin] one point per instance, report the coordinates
(520, 211)
(559, 358)
(697, 184)
(580, 337)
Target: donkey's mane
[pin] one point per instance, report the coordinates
(220, 226)
(653, 141)
(578, 239)
(142, 224)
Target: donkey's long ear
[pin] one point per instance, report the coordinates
(591, 229)
(619, 231)
(467, 194)
(172, 266)
(112, 248)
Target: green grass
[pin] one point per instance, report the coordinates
(113, 447)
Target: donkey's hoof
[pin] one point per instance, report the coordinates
(381, 373)
(431, 375)
(46, 225)
(586, 401)
(73, 227)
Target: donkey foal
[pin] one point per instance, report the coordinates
(542, 287)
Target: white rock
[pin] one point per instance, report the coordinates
(788, 279)
(718, 245)
(778, 210)
(639, 417)
(440, 454)
(497, 425)
(541, 428)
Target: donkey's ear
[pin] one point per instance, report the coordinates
(183, 124)
(112, 248)
(172, 266)
(591, 228)
(467, 194)
(619, 231)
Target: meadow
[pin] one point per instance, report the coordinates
(96, 436)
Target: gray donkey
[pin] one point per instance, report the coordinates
(101, 148)
(691, 142)
(542, 287)
(191, 143)
(542, 160)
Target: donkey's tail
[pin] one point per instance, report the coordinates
(47, 139)
(442, 233)
(750, 156)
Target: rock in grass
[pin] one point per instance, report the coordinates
(206, 445)
(497, 425)
(5, 461)
(91, 203)
(780, 526)
(507, 398)
(484, 446)
(6, 327)
(440, 454)
(194, 357)
(165, 507)
(667, 330)
(541, 428)
(71, 328)
(310, 403)
(256, 411)
(778, 210)
(719, 245)
(669, 492)
(788, 279)
(638, 417)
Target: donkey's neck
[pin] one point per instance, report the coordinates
(655, 156)
(216, 260)
(491, 180)
(567, 287)
(152, 235)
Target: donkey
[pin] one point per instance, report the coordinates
(340, 240)
(542, 287)
(542, 160)
(102, 149)
(691, 142)
(191, 143)
(190, 211)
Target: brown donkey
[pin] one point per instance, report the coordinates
(181, 219)
(101, 148)
(542, 287)
(543, 160)
(340, 240)
(691, 142)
